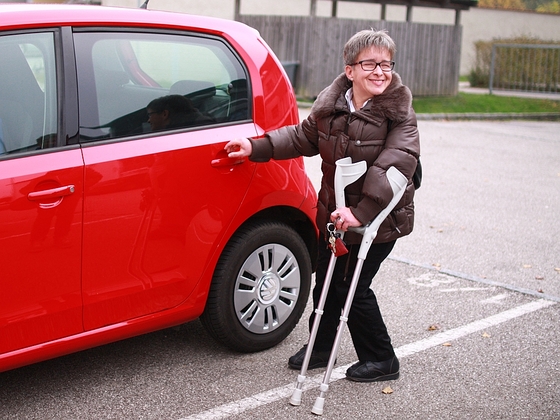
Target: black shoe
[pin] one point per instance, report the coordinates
(374, 371)
(318, 359)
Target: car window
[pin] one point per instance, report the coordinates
(134, 83)
(28, 105)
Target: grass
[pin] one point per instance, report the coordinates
(469, 102)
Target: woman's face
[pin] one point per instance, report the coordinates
(367, 84)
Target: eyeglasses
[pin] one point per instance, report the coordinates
(370, 65)
(150, 113)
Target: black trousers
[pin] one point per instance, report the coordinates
(368, 331)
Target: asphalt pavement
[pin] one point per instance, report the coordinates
(470, 299)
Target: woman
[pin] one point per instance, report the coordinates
(366, 113)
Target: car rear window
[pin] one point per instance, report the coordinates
(126, 79)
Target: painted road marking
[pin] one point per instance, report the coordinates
(464, 289)
(284, 392)
(458, 274)
(431, 279)
(498, 299)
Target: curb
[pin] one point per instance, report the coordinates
(537, 116)
(497, 116)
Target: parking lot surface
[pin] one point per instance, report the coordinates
(470, 299)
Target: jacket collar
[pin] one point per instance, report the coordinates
(394, 103)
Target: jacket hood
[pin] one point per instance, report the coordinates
(394, 103)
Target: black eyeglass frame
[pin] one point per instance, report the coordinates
(361, 63)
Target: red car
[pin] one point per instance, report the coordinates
(120, 212)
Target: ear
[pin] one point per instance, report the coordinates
(165, 114)
(349, 70)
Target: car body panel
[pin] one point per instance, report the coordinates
(41, 247)
(153, 218)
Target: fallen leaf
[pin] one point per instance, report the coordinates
(433, 327)
(540, 291)
(557, 269)
(446, 344)
(486, 335)
(527, 265)
(539, 277)
(387, 390)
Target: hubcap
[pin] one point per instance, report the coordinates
(267, 288)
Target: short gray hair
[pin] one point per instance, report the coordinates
(366, 39)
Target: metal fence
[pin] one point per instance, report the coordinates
(525, 67)
(428, 56)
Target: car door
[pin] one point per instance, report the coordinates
(41, 186)
(157, 197)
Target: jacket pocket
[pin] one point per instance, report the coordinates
(400, 221)
(365, 143)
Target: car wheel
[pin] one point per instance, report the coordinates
(260, 287)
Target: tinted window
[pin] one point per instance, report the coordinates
(172, 81)
(27, 93)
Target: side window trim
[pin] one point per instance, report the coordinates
(68, 88)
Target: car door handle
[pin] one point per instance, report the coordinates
(51, 193)
(221, 162)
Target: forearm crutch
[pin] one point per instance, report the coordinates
(398, 184)
(345, 174)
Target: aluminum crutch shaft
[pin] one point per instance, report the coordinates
(320, 401)
(296, 395)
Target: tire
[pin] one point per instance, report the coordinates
(260, 287)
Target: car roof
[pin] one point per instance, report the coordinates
(21, 15)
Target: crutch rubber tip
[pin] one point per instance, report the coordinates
(296, 397)
(318, 406)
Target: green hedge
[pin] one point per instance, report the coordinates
(519, 68)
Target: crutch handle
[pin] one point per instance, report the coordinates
(346, 173)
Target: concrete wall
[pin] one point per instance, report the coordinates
(478, 24)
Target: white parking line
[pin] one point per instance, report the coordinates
(276, 394)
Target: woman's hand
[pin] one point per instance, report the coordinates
(343, 218)
(239, 148)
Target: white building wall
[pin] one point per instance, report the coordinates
(478, 24)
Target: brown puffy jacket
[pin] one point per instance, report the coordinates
(383, 133)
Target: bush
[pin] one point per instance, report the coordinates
(480, 75)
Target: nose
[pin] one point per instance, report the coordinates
(378, 70)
